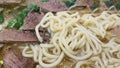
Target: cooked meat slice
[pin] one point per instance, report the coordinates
(1, 66)
(1, 1)
(19, 36)
(52, 5)
(32, 19)
(9, 1)
(13, 59)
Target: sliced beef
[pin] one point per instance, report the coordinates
(32, 19)
(52, 5)
(19, 36)
(1, 1)
(10, 1)
(1, 66)
(13, 59)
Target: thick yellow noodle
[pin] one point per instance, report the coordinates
(77, 37)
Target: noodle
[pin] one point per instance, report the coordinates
(77, 37)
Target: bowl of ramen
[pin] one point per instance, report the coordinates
(59, 34)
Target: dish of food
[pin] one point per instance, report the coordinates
(59, 34)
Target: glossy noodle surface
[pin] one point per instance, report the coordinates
(78, 37)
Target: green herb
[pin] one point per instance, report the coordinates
(12, 23)
(1, 18)
(35, 8)
(117, 6)
(18, 22)
(69, 2)
(116, 1)
(43, 0)
(109, 3)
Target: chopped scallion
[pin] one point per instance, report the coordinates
(1, 18)
(43, 0)
(18, 22)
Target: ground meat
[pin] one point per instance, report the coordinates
(13, 59)
(52, 5)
